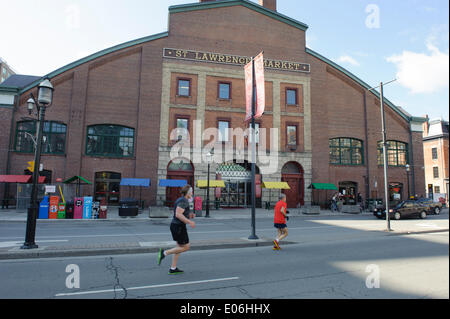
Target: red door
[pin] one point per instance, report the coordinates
(295, 195)
(173, 193)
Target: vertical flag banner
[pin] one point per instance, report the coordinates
(248, 90)
(260, 88)
(258, 84)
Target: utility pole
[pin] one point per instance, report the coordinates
(253, 234)
(385, 159)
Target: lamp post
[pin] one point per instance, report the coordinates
(408, 168)
(45, 97)
(209, 160)
(385, 158)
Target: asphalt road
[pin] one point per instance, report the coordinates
(332, 259)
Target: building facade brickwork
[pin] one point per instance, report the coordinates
(134, 86)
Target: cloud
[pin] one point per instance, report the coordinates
(310, 39)
(429, 9)
(422, 72)
(348, 59)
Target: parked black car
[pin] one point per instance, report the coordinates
(433, 207)
(405, 209)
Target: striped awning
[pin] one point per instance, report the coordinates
(275, 185)
(212, 184)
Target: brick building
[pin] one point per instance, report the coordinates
(435, 149)
(114, 112)
(5, 70)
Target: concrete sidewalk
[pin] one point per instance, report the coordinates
(113, 215)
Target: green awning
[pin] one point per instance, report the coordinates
(77, 178)
(323, 186)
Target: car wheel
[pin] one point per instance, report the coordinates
(397, 216)
(423, 215)
(437, 211)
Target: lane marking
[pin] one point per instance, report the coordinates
(157, 243)
(146, 287)
(427, 225)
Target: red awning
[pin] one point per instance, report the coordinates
(41, 179)
(21, 179)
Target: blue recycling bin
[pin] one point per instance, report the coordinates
(44, 207)
(87, 208)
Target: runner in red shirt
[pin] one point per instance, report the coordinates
(280, 221)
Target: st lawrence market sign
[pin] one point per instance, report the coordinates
(234, 60)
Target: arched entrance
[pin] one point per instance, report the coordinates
(181, 169)
(293, 174)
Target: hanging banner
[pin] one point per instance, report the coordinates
(259, 87)
(248, 90)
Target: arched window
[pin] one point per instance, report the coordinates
(110, 141)
(397, 153)
(346, 151)
(53, 141)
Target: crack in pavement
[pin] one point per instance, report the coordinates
(115, 271)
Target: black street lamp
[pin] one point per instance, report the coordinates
(45, 97)
(408, 168)
(209, 160)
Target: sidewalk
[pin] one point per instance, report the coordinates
(113, 215)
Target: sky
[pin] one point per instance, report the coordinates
(377, 40)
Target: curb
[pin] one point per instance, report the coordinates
(445, 230)
(43, 253)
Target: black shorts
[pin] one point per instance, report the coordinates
(179, 234)
(280, 226)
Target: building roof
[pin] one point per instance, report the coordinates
(95, 56)
(437, 128)
(19, 81)
(245, 3)
(400, 111)
(24, 84)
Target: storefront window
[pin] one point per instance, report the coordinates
(395, 192)
(107, 186)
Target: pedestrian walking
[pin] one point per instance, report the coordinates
(334, 206)
(182, 216)
(280, 221)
